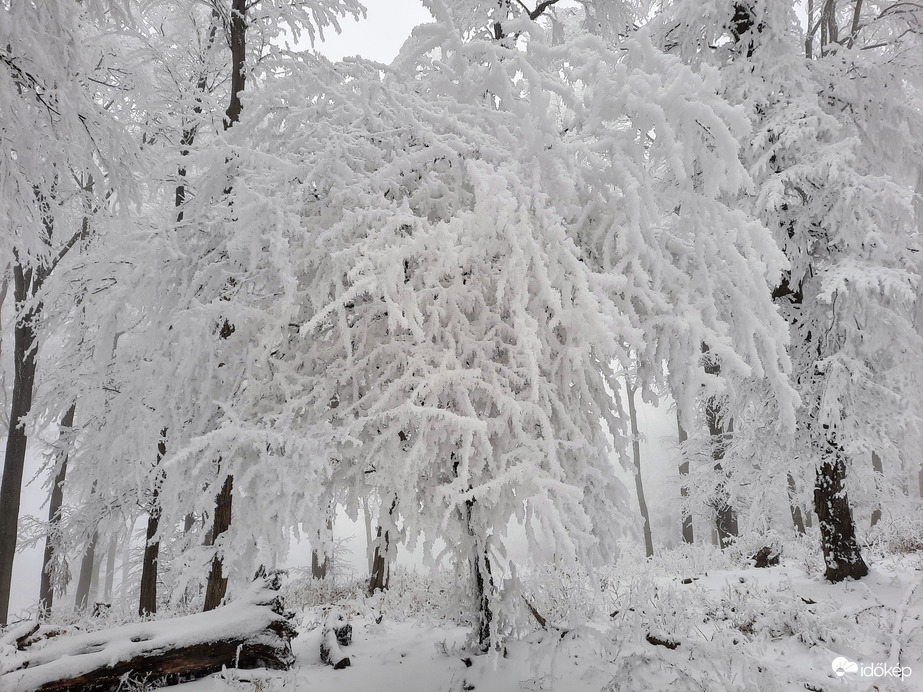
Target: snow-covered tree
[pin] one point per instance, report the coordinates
(828, 192)
(62, 151)
(490, 226)
(191, 293)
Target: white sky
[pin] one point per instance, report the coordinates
(380, 35)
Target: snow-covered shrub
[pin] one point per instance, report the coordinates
(425, 595)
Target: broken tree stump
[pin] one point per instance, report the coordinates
(766, 557)
(336, 633)
(253, 632)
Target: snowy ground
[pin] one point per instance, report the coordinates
(737, 628)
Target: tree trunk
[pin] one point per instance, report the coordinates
(370, 544)
(87, 564)
(147, 604)
(46, 588)
(725, 516)
(320, 561)
(797, 519)
(837, 530)
(319, 565)
(483, 585)
(94, 578)
(238, 41)
(110, 570)
(25, 283)
(879, 473)
(217, 585)
(688, 536)
(636, 453)
(381, 563)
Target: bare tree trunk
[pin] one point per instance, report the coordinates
(110, 570)
(809, 33)
(797, 519)
(483, 584)
(25, 284)
(217, 586)
(318, 565)
(636, 453)
(369, 542)
(94, 577)
(320, 561)
(46, 588)
(879, 473)
(688, 536)
(147, 603)
(86, 574)
(725, 516)
(380, 578)
(837, 530)
(125, 594)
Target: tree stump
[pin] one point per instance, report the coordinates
(765, 558)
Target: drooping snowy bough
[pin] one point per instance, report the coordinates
(473, 269)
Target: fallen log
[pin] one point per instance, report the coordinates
(253, 632)
(18, 636)
(336, 633)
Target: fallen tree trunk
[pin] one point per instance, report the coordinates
(336, 633)
(252, 632)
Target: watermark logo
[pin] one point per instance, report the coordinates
(843, 666)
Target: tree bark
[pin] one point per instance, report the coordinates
(25, 284)
(82, 599)
(380, 577)
(797, 520)
(217, 586)
(879, 473)
(238, 41)
(320, 561)
(688, 536)
(319, 564)
(838, 534)
(147, 604)
(725, 516)
(110, 570)
(483, 584)
(636, 453)
(46, 588)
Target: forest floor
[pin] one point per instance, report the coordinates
(693, 619)
(736, 628)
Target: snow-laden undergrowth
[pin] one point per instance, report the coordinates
(691, 619)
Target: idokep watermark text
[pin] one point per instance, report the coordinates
(844, 667)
